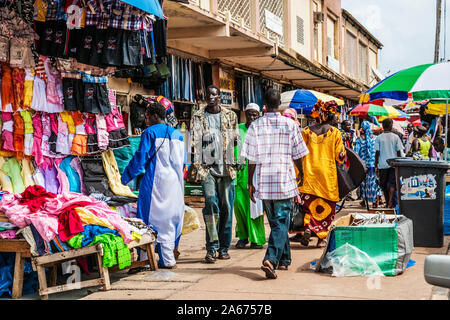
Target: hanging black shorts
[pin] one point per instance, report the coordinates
(73, 92)
(46, 32)
(97, 48)
(90, 102)
(102, 96)
(59, 39)
(112, 49)
(86, 44)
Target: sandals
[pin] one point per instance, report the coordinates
(284, 268)
(241, 244)
(137, 270)
(270, 272)
(306, 236)
(210, 259)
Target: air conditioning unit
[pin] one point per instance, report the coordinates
(319, 17)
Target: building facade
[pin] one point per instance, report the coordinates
(310, 44)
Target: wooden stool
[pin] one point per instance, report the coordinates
(22, 250)
(52, 260)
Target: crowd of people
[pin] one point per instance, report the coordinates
(268, 164)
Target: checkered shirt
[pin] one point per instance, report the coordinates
(272, 143)
(117, 11)
(132, 19)
(105, 14)
(92, 18)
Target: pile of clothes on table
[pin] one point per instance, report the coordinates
(58, 222)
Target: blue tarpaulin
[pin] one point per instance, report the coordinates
(150, 6)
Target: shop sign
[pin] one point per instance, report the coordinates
(226, 84)
(274, 23)
(421, 187)
(226, 97)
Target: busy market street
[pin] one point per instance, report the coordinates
(215, 150)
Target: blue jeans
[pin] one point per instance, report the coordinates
(278, 249)
(218, 213)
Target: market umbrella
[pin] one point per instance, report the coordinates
(369, 109)
(426, 81)
(304, 100)
(394, 114)
(150, 6)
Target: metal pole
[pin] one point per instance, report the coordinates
(446, 129)
(438, 31)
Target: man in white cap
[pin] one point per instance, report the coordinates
(249, 215)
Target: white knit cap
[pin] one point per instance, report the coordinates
(252, 106)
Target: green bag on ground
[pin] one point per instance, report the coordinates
(388, 244)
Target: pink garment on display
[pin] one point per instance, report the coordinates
(7, 132)
(8, 234)
(89, 125)
(114, 120)
(64, 185)
(102, 133)
(37, 141)
(54, 87)
(62, 140)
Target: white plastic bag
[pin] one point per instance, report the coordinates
(349, 261)
(191, 221)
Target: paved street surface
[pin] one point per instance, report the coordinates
(240, 278)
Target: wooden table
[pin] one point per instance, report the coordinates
(22, 250)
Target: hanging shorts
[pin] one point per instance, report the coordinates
(97, 48)
(74, 38)
(86, 44)
(112, 50)
(132, 48)
(46, 35)
(102, 98)
(90, 101)
(73, 92)
(59, 39)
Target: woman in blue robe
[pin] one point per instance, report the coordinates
(160, 157)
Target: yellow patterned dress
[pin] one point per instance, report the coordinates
(319, 192)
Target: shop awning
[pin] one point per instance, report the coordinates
(199, 32)
(150, 6)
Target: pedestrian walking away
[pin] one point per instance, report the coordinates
(249, 215)
(215, 133)
(161, 155)
(387, 145)
(272, 145)
(320, 192)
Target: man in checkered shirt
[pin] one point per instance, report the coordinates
(272, 145)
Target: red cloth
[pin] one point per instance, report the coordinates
(69, 222)
(34, 197)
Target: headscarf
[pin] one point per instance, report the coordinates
(170, 111)
(367, 128)
(322, 110)
(367, 151)
(292, 114)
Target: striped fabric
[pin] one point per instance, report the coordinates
(273, 142)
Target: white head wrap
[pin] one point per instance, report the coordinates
(252, 106)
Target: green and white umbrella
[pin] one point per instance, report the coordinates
(426, 81)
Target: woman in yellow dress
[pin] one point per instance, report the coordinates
(319, 192)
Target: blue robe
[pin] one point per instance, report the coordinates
(161, 193)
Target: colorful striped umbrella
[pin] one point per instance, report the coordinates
(426, 81)
(369, 109)
(395, 113)
(303, 100)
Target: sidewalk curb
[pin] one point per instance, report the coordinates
(441, 293)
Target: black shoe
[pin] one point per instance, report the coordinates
(210, 258)
(305, 239)
(241, 244)
(224, 256)
(255, 246)
(160, 266)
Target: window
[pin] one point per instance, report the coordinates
(331, 37)
(350, 55)
(363, 62)
(300, 30)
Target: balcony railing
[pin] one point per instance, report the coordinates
(277, 8)
(240, 11)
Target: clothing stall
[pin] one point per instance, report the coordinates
(63, 122)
